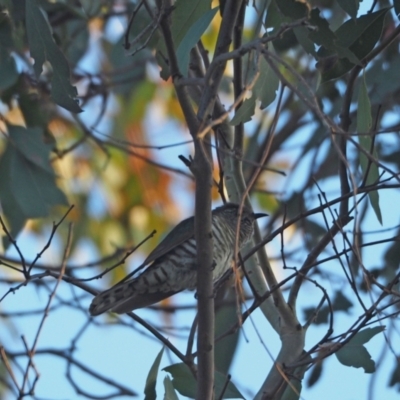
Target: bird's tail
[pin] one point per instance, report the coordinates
(125, 297)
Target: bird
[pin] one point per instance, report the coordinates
(173, 263)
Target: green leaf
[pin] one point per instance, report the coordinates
(6, 34)
(43, 48)
(333, 67)
(245, 112)
(192, 37)
(322, 316)
(185, 15)
(364, 124)
(341, 302)
(266, 85)
(302, 36)
(275, 18)
(396, 4)
(355, 40)
(350, 6)
(8, 70)
(12, 210)
(323, 35)
(395, 378)
(27, 180)
(150, 388)
(170, 393)
(354, 354)
(225, 349)
(357, 357)
(293, 8)
(316, 373)
(182, 379)
(186, 385)
(392, 256)
(364, 116)
(366, 335)
(29, 142)
(361, 35)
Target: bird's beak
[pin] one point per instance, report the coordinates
(259, 215)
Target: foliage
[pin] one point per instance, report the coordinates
(295, 102)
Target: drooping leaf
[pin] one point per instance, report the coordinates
(8, 70)
(341, 302)
(185, 15)
(27, 180)
(322, 35)
(182, 379)
(186, 385)
(225, 349)
(325, 37)
(266, 85)
(396, 4)
(355, 40)
(364, 123)
(293, 8)
(350, 6)
(395, 376)
(357, 357)
(245, 112)
(275, 18)
(361, 35)
(392, 260)
(192, 37)
(354, 354)
(170, 393)
(316, 373)
(366, 335)
(43, 48)
(29, 142)
(302, 36)
(6, 34)
(150, 387)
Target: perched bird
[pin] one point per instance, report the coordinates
(173, 262)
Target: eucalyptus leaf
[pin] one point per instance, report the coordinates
(350, 6)
(150, 387)
(293, 8)
(266, 85)
(170, 393)
(245, 111)
(27, 180)
(185, 15)
(364, 123)
(192, 37)
(43, 48)
(186, 385)
(8, 69)
(396, 4)
(354, 354)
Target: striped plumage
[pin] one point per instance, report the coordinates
(173, 262)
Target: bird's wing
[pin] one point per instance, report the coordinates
(183, 231)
